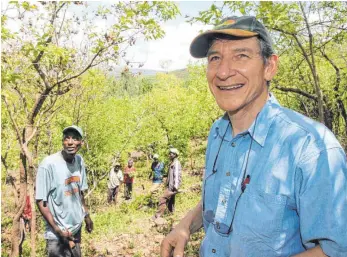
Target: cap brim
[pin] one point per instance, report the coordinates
(200, 44)
(74, 129)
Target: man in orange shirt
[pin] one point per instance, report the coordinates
(129, 172)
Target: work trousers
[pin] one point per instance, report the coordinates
(60, 248)
(167, 200)
(128, 190)
(112, 194)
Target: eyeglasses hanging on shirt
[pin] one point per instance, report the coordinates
(209, 215)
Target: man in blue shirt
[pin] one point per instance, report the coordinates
(60, 181)
(157, 168)
(275, 180)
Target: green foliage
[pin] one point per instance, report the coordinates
(148, 114)
(43, 60)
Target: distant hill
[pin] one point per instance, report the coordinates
(181, 73)
(118, 70)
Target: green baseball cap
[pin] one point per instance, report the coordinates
(243, 27)
(75, 128)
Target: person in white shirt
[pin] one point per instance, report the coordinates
(114, 181)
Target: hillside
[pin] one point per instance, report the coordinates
(124, 230)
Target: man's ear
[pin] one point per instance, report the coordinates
(82, 143)
(271, 67)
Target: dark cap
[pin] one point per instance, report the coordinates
(243, 27)
(75, 128)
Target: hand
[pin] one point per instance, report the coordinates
(65, 234)
(175, 242)
(89, 224)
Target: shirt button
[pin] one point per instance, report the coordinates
(233, 144)
(223, 201)
(214, 250)
(218, 226)
(227, 174)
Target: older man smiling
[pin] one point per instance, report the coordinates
(275, 181)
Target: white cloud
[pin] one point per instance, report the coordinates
(174, 47)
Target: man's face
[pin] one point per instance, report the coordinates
(172, 156)
(117, 167)
(237, 75)
(130, 163)
(72, 142)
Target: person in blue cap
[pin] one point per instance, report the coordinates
(275, 181)
(60, 182)
(157, 168)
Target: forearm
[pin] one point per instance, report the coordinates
(313, 252)
(47, 215)
(193, 219)
(84, 203)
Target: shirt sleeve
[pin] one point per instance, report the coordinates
(177, 174)
(121, 177)
(161, 167)
(44, 183)
(322, 198)
(84, 184)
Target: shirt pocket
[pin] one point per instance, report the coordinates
(258, 218)
(209, 199)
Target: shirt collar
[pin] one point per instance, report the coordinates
(262, 122)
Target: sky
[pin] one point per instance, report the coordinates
(174, 47)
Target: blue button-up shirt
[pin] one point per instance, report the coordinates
(297, 194)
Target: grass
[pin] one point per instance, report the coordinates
(127, 226)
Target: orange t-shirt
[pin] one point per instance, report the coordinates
(127, 171)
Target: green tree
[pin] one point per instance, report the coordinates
(46, 58)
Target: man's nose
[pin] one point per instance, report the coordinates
(70, 141)
(226, 69)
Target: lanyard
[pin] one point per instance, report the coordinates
(243, 181)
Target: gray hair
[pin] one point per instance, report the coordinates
(266, 49)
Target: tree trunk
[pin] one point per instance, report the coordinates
(312, 65)
(23, 191)
(31, 192)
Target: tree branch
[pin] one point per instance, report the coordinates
(83, 71)
(14, 123)
(340, 103)
(297, 91)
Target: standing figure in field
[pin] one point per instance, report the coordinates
(129, 173)
(115, 180)
(174, 179)
(60, 184)
(157, 168)
(275, 182)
